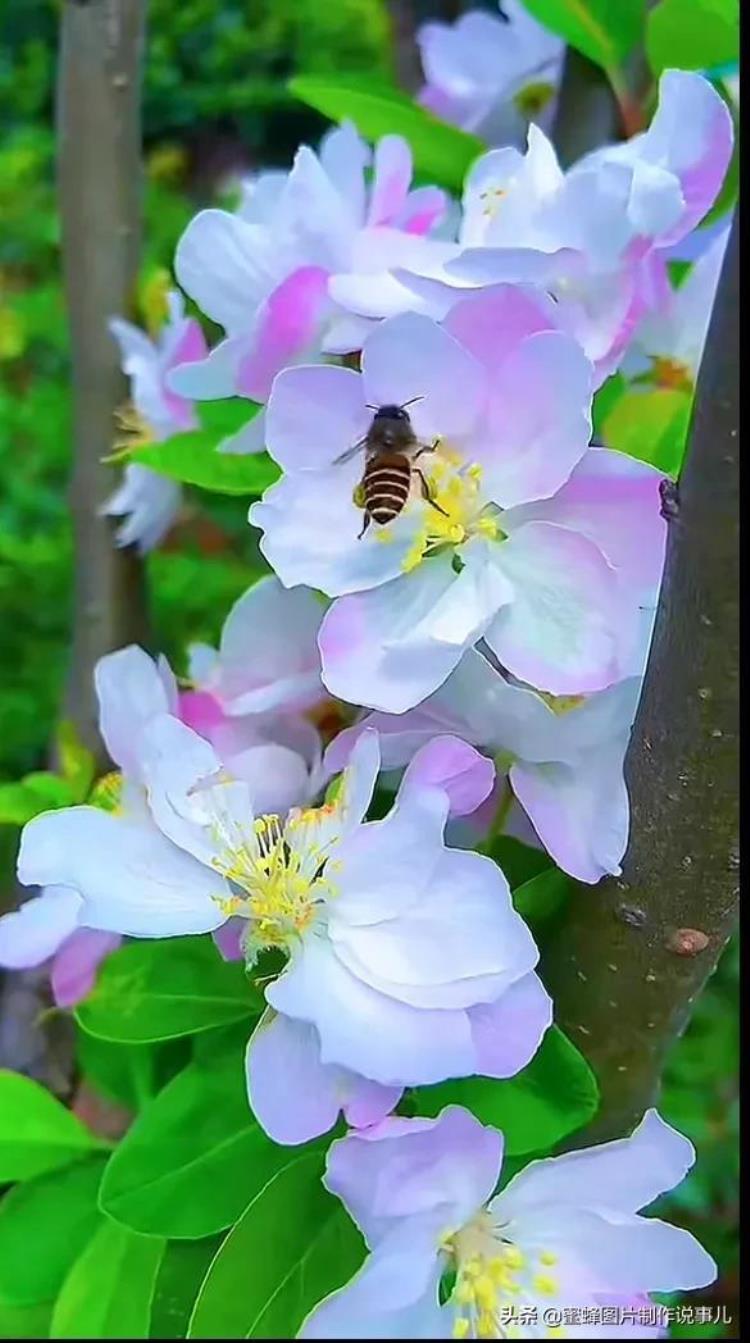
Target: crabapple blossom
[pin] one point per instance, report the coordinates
(263, 273)
(667, 346)
(46, 928)
(268, 659)
(563, 757)
(150, 502)
(407, 963)
(593, 236)
(566, 1231)
(529, 539)
(490, 74)
(53, 926)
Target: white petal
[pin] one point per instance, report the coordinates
(131, 879)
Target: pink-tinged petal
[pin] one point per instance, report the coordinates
(391, 647)
(451, 764)
(268, 658)
(312, 533)
(130, 692)
(367, 1031)
(185, 345)
(492, 324)
(76, 963)
(401, 735)
(394, 1294)
(315, 413)
(622, 1176)
(149, 503)
(387, 866)
(613, 500)
(132, 880)
(392, 169)
(227, 266)
(287, 326)
(277, 778)
(539, 423)
(32, 933)
(629, 1254)
(570, 623)
(201, 711)
(508, 1032)
(410, 357)
(344, 157)
(215, 377)
(701, 158)
(441, 950)
(408, 1168)
(422, 210)
(293, 1095)
(323, 227)
(580, 812)
(228, 939)
(251, 438)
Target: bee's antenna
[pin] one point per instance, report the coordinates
(369, 407)
(413, 402)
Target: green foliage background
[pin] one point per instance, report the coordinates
(225, 68)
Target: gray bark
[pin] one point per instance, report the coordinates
(99, 173)
(633, 953)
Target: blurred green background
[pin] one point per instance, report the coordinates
(215, 100)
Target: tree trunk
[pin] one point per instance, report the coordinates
(634, 952)
(99, 174)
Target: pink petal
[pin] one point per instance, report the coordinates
(76, 963)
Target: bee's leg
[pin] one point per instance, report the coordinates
(426, 493)
(427, 447)
(365, 525)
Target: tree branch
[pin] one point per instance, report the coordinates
(99, 174)
(634, 953)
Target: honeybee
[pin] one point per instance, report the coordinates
(391, 450)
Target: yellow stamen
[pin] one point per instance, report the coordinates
(546, 1285)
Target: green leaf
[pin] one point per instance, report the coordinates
(181, 1272)
(651, 425)
(194, 1158)
(605, 400)
(193, 458)
(25, 1321)
(693, 34)
(442, 153)
(519, 862)
(44, 1225)
(107, 1293)
(37, 792)
(160, 990)
(604, 30)
(555, 1095)
(300, 1244)
(76, 760)
(37, 1133)
(130, 1075)
(541, 897)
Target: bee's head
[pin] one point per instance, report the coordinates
(392, 413)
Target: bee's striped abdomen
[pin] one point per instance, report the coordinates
(385, 486)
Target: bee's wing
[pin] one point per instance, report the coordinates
(350, 452)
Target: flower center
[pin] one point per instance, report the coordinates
(495, 1281)
(133, 431)
(671, 373)
(534, 98)
(561, 704)
(107, 792)
(454, 511)
(491, 197)
(279, 872)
